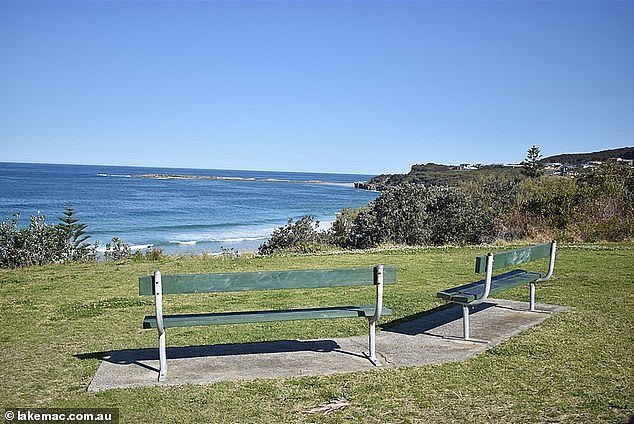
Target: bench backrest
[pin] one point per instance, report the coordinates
(265, 280)
(514, 257)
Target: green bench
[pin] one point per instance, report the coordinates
(475, 293)
(159, 285)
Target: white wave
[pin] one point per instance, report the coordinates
(133, 248)
(141, 246)
(249, 233)
(115, 175)
(184, 243)
(325, 224)
(238, 239)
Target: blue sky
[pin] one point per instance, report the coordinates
(333, 86)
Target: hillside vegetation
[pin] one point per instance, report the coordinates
(596, 206)
(436, 174)
(581, 158)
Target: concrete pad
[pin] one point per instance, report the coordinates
(427, 338)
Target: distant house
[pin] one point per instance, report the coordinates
(566, 170)
(629, 162)
(466, 167)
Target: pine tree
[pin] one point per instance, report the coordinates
(531, 166)
(75, 234)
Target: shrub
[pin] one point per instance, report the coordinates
(414, 214)
(603, 218)
(339, 232)
(597, 206)
(37, 244)
(516, 224)
(117, 250)
(302, 236)
(550, 198)
(152, 254)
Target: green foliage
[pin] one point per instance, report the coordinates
(41, 243)
(154, 254)
(495, 193)
(434, 174)
(78, 248)
(549, 199)
(117, 250)
(341, 229)
(610, 179)
(598, 206)
(37, 244)
(414, 214)
(302, 236)
(531, 166)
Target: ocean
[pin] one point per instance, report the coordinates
(181, 211)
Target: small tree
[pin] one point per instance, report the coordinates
(531, 166)
(78, 247)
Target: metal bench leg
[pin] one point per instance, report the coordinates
(162, 358)
(465, 326)
(533, 287)
(371, 355)
(465, 321)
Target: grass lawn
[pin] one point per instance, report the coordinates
(575, 367)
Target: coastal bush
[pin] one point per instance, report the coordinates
(117, 250)
(41, 243)
(302, 236)
(37, 244)
(340, 231)
(605, 208)
(596, 206)
(414, 214)
(549, 199)
(152, 254)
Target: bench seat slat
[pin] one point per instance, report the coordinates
(473, 291)
(188, 320)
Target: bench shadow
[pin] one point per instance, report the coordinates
(426, 321)
(138, 356)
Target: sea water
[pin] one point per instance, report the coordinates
(198, 211)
